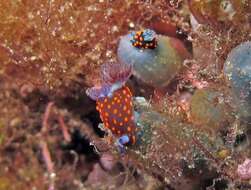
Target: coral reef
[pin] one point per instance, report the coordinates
(102, 94)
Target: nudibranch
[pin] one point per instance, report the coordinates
(114, 102)
(117, 114)
(155, 59)
(144, 39)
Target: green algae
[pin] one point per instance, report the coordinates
(208, 109)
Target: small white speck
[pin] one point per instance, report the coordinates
(52, 175)
(115, 29)
(33, 58)
(108, 53)
(131, 25)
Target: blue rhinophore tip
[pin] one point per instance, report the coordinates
(121, 143)
(123, 139)
(148, 35)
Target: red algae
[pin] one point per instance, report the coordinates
(49, 43)
(193, 137)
